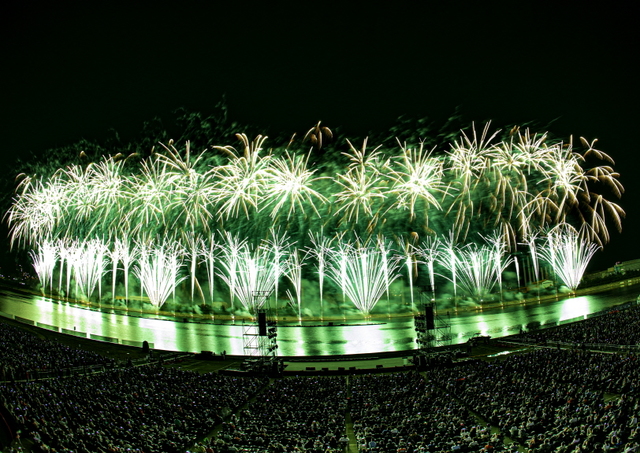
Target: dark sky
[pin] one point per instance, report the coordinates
(74, 70)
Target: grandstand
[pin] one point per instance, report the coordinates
(570, 388)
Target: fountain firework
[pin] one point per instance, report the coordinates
(44, 261)
(89, 267)
(320, 250)
(568, 251)
(476, 270)
(364, 272)
(430, 251)
(158, 270)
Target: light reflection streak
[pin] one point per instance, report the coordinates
(296, 340)
(574, 308)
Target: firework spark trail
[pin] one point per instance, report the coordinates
(114, 256)
(209, 252)
(449, 260)
(507, 171)
(383, 247)
(60, 248)
(430, 252)
(476, 270)
(151, 194)
(192, 243)
(418, 177)
(340, 271)
(44, 262)
(498, 249)
(568, 251)
(230, 254)
(321, 250)
(279, 247)
(193, 189)
(565, 179)
(294, 274)
(128, 254)
(36, 211)
(70, 252)
(530, 243)
(89, 266)
(361, 187)
(77, 201)
(291, 183)
(240, 184)
(407, 256)
(468, 161)
(362, 275)
(158, 270)
(255, 273)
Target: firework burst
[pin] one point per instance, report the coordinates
(227, 207)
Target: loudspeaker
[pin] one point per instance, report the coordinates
(428, 311)
(262, 324)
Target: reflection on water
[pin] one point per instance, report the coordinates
(578, 307)
(350, 337)
(481, 326)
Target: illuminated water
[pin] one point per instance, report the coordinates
(311, 338)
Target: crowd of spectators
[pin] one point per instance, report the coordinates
(620, 327)
(553, 400)
(402, 412)
(546, 399)
(292, 414)
(133, 409)
(25, 356)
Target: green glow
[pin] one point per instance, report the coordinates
(226, 211)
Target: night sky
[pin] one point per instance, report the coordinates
(77, 70)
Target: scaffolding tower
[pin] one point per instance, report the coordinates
(260, 336)
(432, 330)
